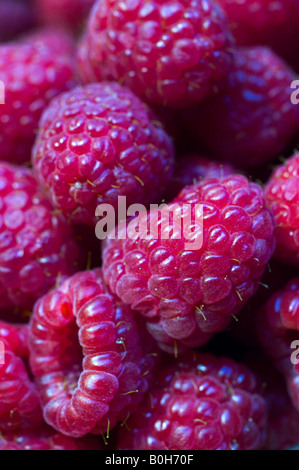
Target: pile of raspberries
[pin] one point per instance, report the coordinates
(149, 225)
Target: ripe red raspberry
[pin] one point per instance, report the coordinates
(171, 52)
(45, 438)
(36, 244)
(91, 364)
(19, 400)
(33, 73)
(253, 119)
(282, 196)
(277, 329)
(266, 22)
(199, 403)
(69, 13)
(15, 18)
(96, 143)
(192, 168)
(187, 294)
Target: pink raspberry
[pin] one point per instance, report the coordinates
(96, 143)
(67, 13)
(58, 40)
(253, 119)
(37, 247)
(19, 400)
(192, 168)
(277, 328)
(91, 364)
(199, 403)
(282, 196)
(45, 438)
(15, 338)
(170, 52)
(267, 22)
(187, 294)
(15, 18)
(84, 69)
(33, 73)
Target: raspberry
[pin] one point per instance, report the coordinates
(15, 18)
(58, 40)
(69, 13)
(19, 401)
(188, 294)
(277, 328)
(282, 196)
(171, 52)
(253, 120)
(82, 323)
(45, 438)
(199, 403)
(283, 422)
(99, 142)
(36, 244)
(84, 69)
(192, 168)
(266, 22)
(33, 73)
(15, 338)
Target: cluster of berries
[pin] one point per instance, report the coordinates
(183, 108)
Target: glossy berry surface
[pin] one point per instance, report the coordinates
(192, 168)
(282, 196)
(199, 403)
(19, 401)
(96, 143)
(188, 287)
(14, 337)
(277, 328)
(32, 73)
(91, 365)
(172, 53)
(253, 119)
(37, 246)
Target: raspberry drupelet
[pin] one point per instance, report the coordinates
(191, 168)
(96, 143)
(282, 196)
(15, 338)
(91, 363)
(172, 53)
(199, 402)
(37, 246)
(277, 328)
(253, 119)
(33, 73)
(19, 400)
(188, 293)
